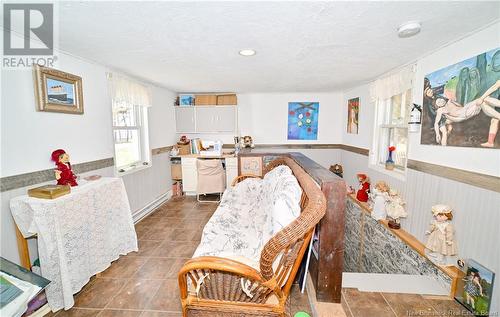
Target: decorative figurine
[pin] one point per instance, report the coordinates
(349, 189)
(337, 170)
(364, 187)
(247, 141)
(379, 197)
(174, 151)
(395, 209)
(183, 140)
(389, 163)
(64, 174)
(441, 244)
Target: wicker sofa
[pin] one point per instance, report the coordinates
(219, 286)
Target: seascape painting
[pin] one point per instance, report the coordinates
(353, 115)
(303, 120)
(60, 92)
(57, 91)
(461, 105)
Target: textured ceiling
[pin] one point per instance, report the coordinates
(301, 46)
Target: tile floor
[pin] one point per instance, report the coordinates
(367, 304)
(144, 283)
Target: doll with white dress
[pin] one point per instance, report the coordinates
(395, 209)
(380, 197)
(441, 245)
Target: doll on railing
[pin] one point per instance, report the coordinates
(364, 187)
(380, 197)
(441, 244)
(395, 209)
(64, 174)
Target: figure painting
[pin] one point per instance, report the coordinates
(303, 120)
(352, 115)
(461, 105)
(476, 288)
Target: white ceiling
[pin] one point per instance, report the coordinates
(301, 46)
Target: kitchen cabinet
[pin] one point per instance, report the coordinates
(185, 120)
(206, 119)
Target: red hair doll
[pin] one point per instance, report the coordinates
(364, 187)
(64, 174)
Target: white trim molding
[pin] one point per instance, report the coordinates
(149, 208)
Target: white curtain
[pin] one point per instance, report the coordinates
(125, 90)
(395, 84)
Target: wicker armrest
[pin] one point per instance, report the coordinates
(223, 272)
(240, 178)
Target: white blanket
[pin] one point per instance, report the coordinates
(79, 234)
(248, 214)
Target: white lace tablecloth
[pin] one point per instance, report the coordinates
(79, 234)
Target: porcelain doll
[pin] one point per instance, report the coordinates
(379, 198)
(364, 187)
(63, 172)
(441, 244)
(395, 209)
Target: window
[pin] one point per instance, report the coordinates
(391, 129)
(130, 125)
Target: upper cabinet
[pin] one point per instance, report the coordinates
(185, 121)
(206, 119)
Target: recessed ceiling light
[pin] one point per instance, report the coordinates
(247, 52)
(409, 29)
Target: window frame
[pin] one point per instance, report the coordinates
(383, 128)
(142, 128)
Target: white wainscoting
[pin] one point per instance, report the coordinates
(146, 186)
(476, 210)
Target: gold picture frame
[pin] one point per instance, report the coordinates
(57, 91)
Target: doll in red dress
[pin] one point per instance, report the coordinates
(364, 187)
(64, 174)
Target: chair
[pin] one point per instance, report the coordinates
(211, 178)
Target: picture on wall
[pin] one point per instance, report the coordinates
(303, 120)
(461, 105)
(352, 115)
(58, 91)
(476, 289)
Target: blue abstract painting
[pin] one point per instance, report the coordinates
(303, 120)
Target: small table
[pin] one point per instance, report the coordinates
(79, 234)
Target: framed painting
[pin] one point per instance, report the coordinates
(353, 115)
(303, 120)
(461, 105)
(186, 100)
(475, 290)
(57, 91)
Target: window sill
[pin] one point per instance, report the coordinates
(131, 170)
(398, 174)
